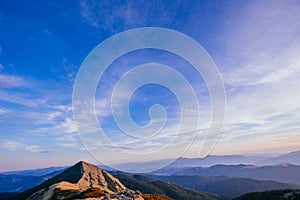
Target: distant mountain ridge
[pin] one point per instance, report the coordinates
(211, 160)
(33, 172)
(288, 158)
(282, 173)
(292, 158)
(208, 161)
(19, 183)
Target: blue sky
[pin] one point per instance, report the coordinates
(255, 45)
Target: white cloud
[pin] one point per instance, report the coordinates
(12, 81)
(262, 69)
(99, 14)
(18, 98)
(3, 111)
(16, 145)
(12, 145)
(85, 12)
(261, 40)
(128, 14)
(33, 148)
(67, 145)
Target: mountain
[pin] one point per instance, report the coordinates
(34, 172)
(149, 185)
(15, 183)
(192, 162)
(19, 183)
(282, 173)
(272, 195)
(214, 160)
(225, 186)
(292, 158)
(82, 180)
(86, 181)
(7, 195)
(289, 158)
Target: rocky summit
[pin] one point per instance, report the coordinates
(82, 181)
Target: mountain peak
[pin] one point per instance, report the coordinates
(84, 163)
(91, 176)
(79, 178)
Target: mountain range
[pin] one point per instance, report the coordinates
(186, 178)
(34, 172)
(151, 185)
(282, 173)
(292, 158)
(288, 158)
(87, 181)
(228, 187)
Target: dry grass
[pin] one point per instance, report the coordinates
(155, 197)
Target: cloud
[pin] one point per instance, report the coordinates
(260, 41)
(12, 145)
(86, 13)
(116, 17)
(283, 73)
(18, 98)
(3, 111)
(67, 145)
(261, 69)
(68, 141)
(16, 145)
(11, 81)
(33, 148)
(108, 15)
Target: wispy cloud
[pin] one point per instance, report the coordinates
(261, 70)
(11, 81)
(27, 114)
(130, 14)
(17, 145)
(108, 15)
(12, 145)
(264, 40)
(33, 148)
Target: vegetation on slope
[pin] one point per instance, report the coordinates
(155, 197)
(227, 186)
(272, 195)
(151, 186)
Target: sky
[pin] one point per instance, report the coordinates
(254, 44)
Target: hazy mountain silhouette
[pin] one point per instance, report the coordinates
(34, 172)
(292, 158)
(282, 173)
